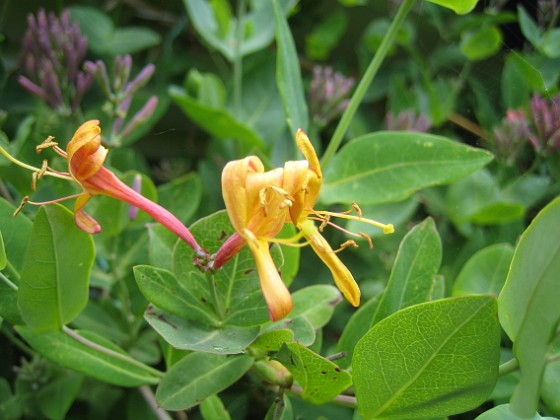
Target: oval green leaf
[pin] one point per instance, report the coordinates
(413, 275)
(185, 334)
(390, 166)
(485, 272)
(460, 7)
(434, 359)
(529, 310)
(197, 376)
(100, 359)
(288, 74)
(54, 284)
(481, 43)
(320, 378)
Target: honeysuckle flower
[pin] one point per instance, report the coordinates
(259, 203)
(85, 155)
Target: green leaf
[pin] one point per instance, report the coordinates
(485, 272)
(104, 38)
(551, 383)
(315, 303)
(212, 408)
(303, 331)
(210, 23)
(11, 406)
(355, 328)
(477, 198)
(95, 25)
(519, 79)
(161, 243)
(550, 43)
(325, 36)
(481, 43)
(181, 196)
(197, 376)
(15, 235)
(56, 397)
(218, 122)
(272, 340)
(237, 283)
(162, 289)
(529, 310)
(503, 412)
(528, 27)
(288, 74)
(55, 275)
(130, 40)
(414, 270)
(386, 167)
(91, 355)
(320, 378)
(441, 357)
(461, 7)
(281, 409)
(185, 334)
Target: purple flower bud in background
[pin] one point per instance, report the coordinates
(407, 121)
(52, 54)
(545, 116)
(141, 116)
(510, 137)
(328, 95)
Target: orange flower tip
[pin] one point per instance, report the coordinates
(280, 311)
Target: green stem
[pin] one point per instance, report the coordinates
(215, 299)
(238, 59)
(367, 78)
(71, 333)
(508, 367)
(8, 282)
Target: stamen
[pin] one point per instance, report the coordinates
(387, 228)
(56, 200)
(349, 242)
(47, 143)
(357, 209)
(48, 172)
(367, 238)
(20, 207)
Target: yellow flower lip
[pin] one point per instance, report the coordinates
(259, 203)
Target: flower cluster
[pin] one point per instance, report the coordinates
(53, 52)
(540, 128)
(328, 95)
(120, 93)
(260, 203)
(407, 121)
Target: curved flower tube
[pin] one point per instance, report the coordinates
(86, 155)
(259, 203)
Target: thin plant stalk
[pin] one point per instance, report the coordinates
(365, 82)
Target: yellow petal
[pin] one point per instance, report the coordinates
(83, 220)
(304, 144)
(86, 155)
(274, 290)
(234, 177)
(342, 276)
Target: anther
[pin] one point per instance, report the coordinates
(20, 207)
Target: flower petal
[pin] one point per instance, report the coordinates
(86, 155)
(342, 276)
(83, 220)
(274, 290)
(234, 191)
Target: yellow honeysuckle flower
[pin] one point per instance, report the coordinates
(259, 203)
